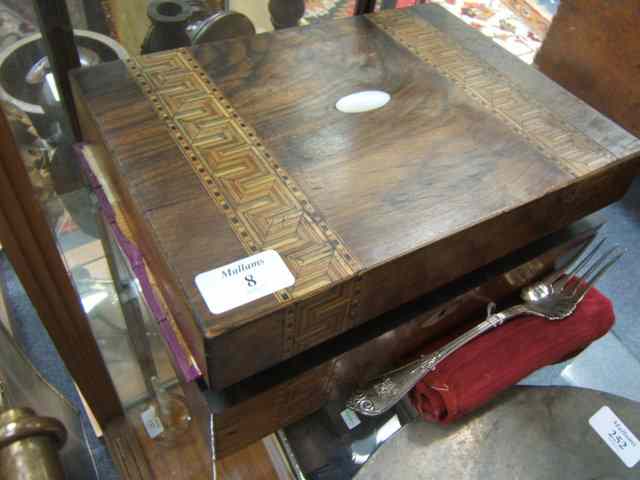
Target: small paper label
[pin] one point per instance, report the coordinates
(616, 434)
(350, 418)
(152, 423)
(244, 281)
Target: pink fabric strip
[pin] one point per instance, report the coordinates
(188, 368)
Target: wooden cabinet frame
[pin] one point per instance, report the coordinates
(30, 246)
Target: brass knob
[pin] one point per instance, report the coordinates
(29, 445)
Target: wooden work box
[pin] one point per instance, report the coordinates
(331, 373)
(233, 148)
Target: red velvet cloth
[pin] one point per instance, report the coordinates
(493, 362)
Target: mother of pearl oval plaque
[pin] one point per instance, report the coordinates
(363, 101)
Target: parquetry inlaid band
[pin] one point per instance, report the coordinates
(264, 206)
(567, 147)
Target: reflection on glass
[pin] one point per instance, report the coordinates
(172, 415)
(24, 387)
(390, 427)
(30, 101)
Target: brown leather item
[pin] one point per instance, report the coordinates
(229, 149)
(592, 50)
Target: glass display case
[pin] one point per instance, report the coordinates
(117, 329)
(98, 347)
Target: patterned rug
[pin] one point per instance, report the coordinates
(324, 9)
(517, 25)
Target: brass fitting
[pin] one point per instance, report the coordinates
(29, 445)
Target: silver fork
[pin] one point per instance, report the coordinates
(541, 288)
(579, 245)
(554, 298)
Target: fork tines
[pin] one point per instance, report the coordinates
(578, 281)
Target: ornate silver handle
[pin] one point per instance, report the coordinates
(385, 391)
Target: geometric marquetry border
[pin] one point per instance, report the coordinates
(567, 147)
(324, 316)
(263, 204)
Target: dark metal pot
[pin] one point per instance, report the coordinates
(181, 23)
(169, 19)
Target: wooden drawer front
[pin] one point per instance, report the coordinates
(282, 405)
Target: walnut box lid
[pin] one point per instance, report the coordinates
(235, 148)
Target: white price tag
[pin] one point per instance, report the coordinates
(350, 418)
(244, 281)
(152, 423)
(616, 434)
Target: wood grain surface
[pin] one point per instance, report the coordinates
(236, 146)
(137, 457)
(592, 50)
